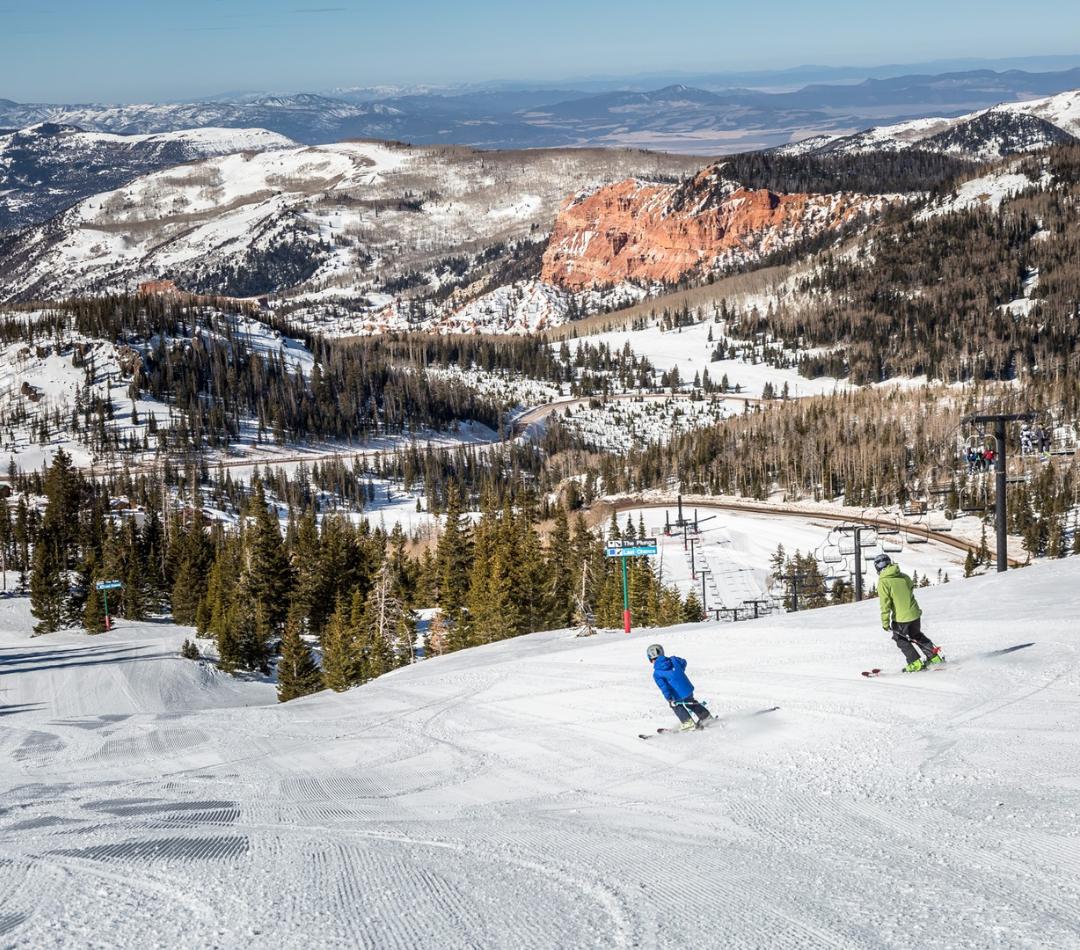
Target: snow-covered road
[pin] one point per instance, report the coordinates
(500, 797)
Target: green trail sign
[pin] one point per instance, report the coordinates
(105, 587)
(643, 547)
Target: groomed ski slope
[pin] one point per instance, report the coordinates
(500, 797)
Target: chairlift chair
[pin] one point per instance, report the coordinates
(893, 544)
(1064, 440)
(917, 534)
(974, 500)
(892, 526)
(831, 554)
(940, 523)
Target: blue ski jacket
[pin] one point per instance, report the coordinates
(669, 672)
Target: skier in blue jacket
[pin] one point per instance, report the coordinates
(669, 672)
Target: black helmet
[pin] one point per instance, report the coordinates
(654, 651)
(882, 561)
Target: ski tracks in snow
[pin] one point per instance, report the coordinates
(500, 798)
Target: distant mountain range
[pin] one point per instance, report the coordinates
(987, 134)
(674, 117)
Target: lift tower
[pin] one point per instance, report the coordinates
(999, 420)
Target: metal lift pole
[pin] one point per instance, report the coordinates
(1001, 522)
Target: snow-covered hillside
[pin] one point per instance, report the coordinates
(1002, 130)
(501, 797)
(44, 383)
(47, 168)
(342, 223)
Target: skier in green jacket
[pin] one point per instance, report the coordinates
(901, 614)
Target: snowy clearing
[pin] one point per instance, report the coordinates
(500, 797)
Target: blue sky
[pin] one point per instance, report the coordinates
(144, 50)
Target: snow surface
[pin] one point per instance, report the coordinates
(690, 350)
(987, 192)
(500, 797)
(208, 140)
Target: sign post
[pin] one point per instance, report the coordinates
(625, 549)
(105, 587)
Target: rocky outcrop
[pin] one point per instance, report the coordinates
(646, 233)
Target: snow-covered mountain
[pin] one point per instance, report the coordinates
(500, 797)
(47, 167)
(340, 221)
(1003, 130)
(303, 117)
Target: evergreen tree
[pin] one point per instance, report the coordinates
(454, 559)
(609, 607)
(307, 567)
(266, 577)
(337, 560)
(983, 554)
(221, 595)
(93, 619)
(971, 563)
(487, 603)
(61, 520)
(297, 672)
(521, 561)
(670, 607)
(194, 559)
(692, 609)
(48, 584)
(340, 660)
(137, 593)
(230, 654)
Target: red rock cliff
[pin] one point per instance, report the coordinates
(633, 231)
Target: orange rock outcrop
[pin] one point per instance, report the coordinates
(644, 233)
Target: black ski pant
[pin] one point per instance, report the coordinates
(908, 636)
(684, 707)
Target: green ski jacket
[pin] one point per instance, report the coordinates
(896, 594)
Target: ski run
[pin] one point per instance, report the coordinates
(500, 797)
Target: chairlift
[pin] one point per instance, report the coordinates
(892, 544)
(1064, 440)
(977, 438)
(847, 544)
(974, 499)
(940, 523)
(917, 534)
(831, 554)
(891, 527)
(916, 507)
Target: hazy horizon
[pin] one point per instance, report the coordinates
(123, 52)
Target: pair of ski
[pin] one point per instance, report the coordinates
(945, 665)
(707, 724)
(933, 666)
